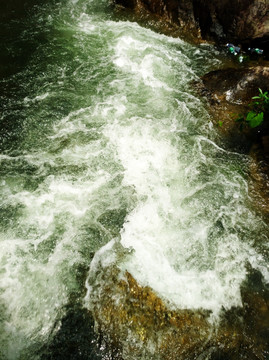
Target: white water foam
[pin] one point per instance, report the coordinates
(177, 250)
(164, 234)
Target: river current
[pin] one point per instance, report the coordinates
(109, 159)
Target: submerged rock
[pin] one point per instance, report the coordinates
(134, 320)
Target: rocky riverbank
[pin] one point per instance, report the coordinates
(245, 22)
(228, 91)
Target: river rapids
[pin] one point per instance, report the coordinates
(111, 168)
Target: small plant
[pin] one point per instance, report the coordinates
(258, 107)
(262, 99)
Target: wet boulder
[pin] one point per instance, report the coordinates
(242, 21)
(245, 21)
(135, 323)
(229, 93)
(237, 86)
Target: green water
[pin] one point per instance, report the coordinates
(105, 148)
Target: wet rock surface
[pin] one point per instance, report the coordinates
(239, 85)
(242, 21)
(245, 21)
(134, 320)
(170, 17)
(229, 92)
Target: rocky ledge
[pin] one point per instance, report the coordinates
(229, 93)
(244, 21)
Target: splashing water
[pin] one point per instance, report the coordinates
(110, 150)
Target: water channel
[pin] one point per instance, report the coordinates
(112, 168)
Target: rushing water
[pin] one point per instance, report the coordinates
(108, 158)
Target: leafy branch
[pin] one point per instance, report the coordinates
(258, 107)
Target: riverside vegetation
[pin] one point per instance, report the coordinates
(258, 113)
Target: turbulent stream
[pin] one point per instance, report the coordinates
(109, 160)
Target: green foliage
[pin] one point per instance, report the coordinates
(254, 119)
(258, 106)
(262, 97)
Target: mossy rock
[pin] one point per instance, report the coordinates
(137, 322)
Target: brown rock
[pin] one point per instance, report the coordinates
(237, 86)
(228, 92)
(244, 21)
(135, 321)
